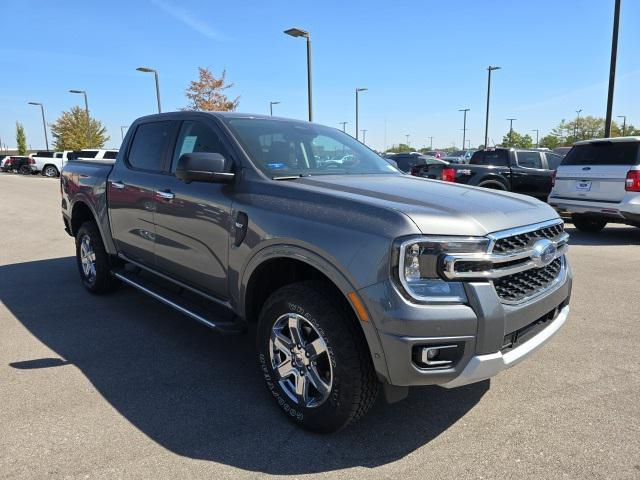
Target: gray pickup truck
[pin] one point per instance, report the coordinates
(356, 276)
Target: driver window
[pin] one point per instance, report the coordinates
(197, 137)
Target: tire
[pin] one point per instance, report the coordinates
(493, 186)
(50, 171)
(343, 368)
(93, 262)
(25, 170)
(588, 224)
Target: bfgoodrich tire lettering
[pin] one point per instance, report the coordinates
(352, 383)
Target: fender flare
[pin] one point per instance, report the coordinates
(339, 276)
(107, 240)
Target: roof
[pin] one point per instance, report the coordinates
(610, 139)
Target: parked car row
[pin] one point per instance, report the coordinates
(49, 163)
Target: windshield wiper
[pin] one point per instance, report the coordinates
(290, 177)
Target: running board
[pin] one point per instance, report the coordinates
(173, 300)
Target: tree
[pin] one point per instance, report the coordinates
(514, 139)
(549, 141)
(207, 93)
(401, 147)
(70, 131)
(21, 139)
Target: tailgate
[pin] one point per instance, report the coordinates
(596, 171)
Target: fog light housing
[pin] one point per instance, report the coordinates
(437, 356)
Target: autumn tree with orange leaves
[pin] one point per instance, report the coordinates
(207, 93)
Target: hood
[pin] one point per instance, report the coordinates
(438, 208)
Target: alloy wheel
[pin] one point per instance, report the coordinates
(87, 258)
(300, 360)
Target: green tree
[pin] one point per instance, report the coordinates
(207, 93)
(21, 139)
(550, 141)
(401, 147)
(70, 131)
(514, 139)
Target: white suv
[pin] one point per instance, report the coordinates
(599, 182)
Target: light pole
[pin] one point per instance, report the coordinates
(297, 32)
(344, 126)
(430, 143)
(122, 127)
(86, 109)
(407, 135)
(271, 104)
(44, 123)
(364, 136)
(155, 73)
(612, 68)
(358, 90)
(624, 124)
(537, 134)
(469, 143)
(486, 125)
(575, 126)
(464, 125)
(511, 130)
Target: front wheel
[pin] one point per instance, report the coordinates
(314, 357)
(588, 224)
(93, 261)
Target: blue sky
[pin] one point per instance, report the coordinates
(421, 60)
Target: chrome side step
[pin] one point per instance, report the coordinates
(172, 300)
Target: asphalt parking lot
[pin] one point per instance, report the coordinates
(120, 386)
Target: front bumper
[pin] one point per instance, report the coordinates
(479, 327)
(481, 367)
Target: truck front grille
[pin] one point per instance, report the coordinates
(521, 241)
(522, 285)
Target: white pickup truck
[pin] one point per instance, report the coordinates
(50, 163)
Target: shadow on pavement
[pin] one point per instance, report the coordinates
(611, 235)
(199, 394)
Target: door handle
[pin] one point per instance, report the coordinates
(166, 195)
(119, 185)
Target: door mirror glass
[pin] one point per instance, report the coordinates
(203, 167)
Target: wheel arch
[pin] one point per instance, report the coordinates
(486, 182)
(277, 266)
(49, 165)
(82, 211)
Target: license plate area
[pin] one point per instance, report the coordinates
(583, 185)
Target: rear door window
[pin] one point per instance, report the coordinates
(496, 158)
(110, 155)
(529, 159)
(150, 145)
(554, 160)
(603, 153)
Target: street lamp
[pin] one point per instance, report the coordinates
(624, 124)
(486, 126)
(575, 126)
(537, 134)
(155, 73)
(271, 104)
(122, 127)
(86, 109)
(510, 130)
(297, 32)
(44, 123)
(407, 135)
(464, 125)
(344, 126)
(358, 90)
(430, 143)
(364, 136)
(612, 68)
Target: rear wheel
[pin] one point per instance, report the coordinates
(93, 261)
(493, 186)
(50, 171)
(314, 358)
(25, 170)
(588, 224)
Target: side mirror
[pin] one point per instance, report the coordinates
(203, 167)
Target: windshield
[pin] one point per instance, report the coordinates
(283, 148)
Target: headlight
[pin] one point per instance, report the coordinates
(419, 266)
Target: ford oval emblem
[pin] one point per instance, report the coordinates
(544, 252)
